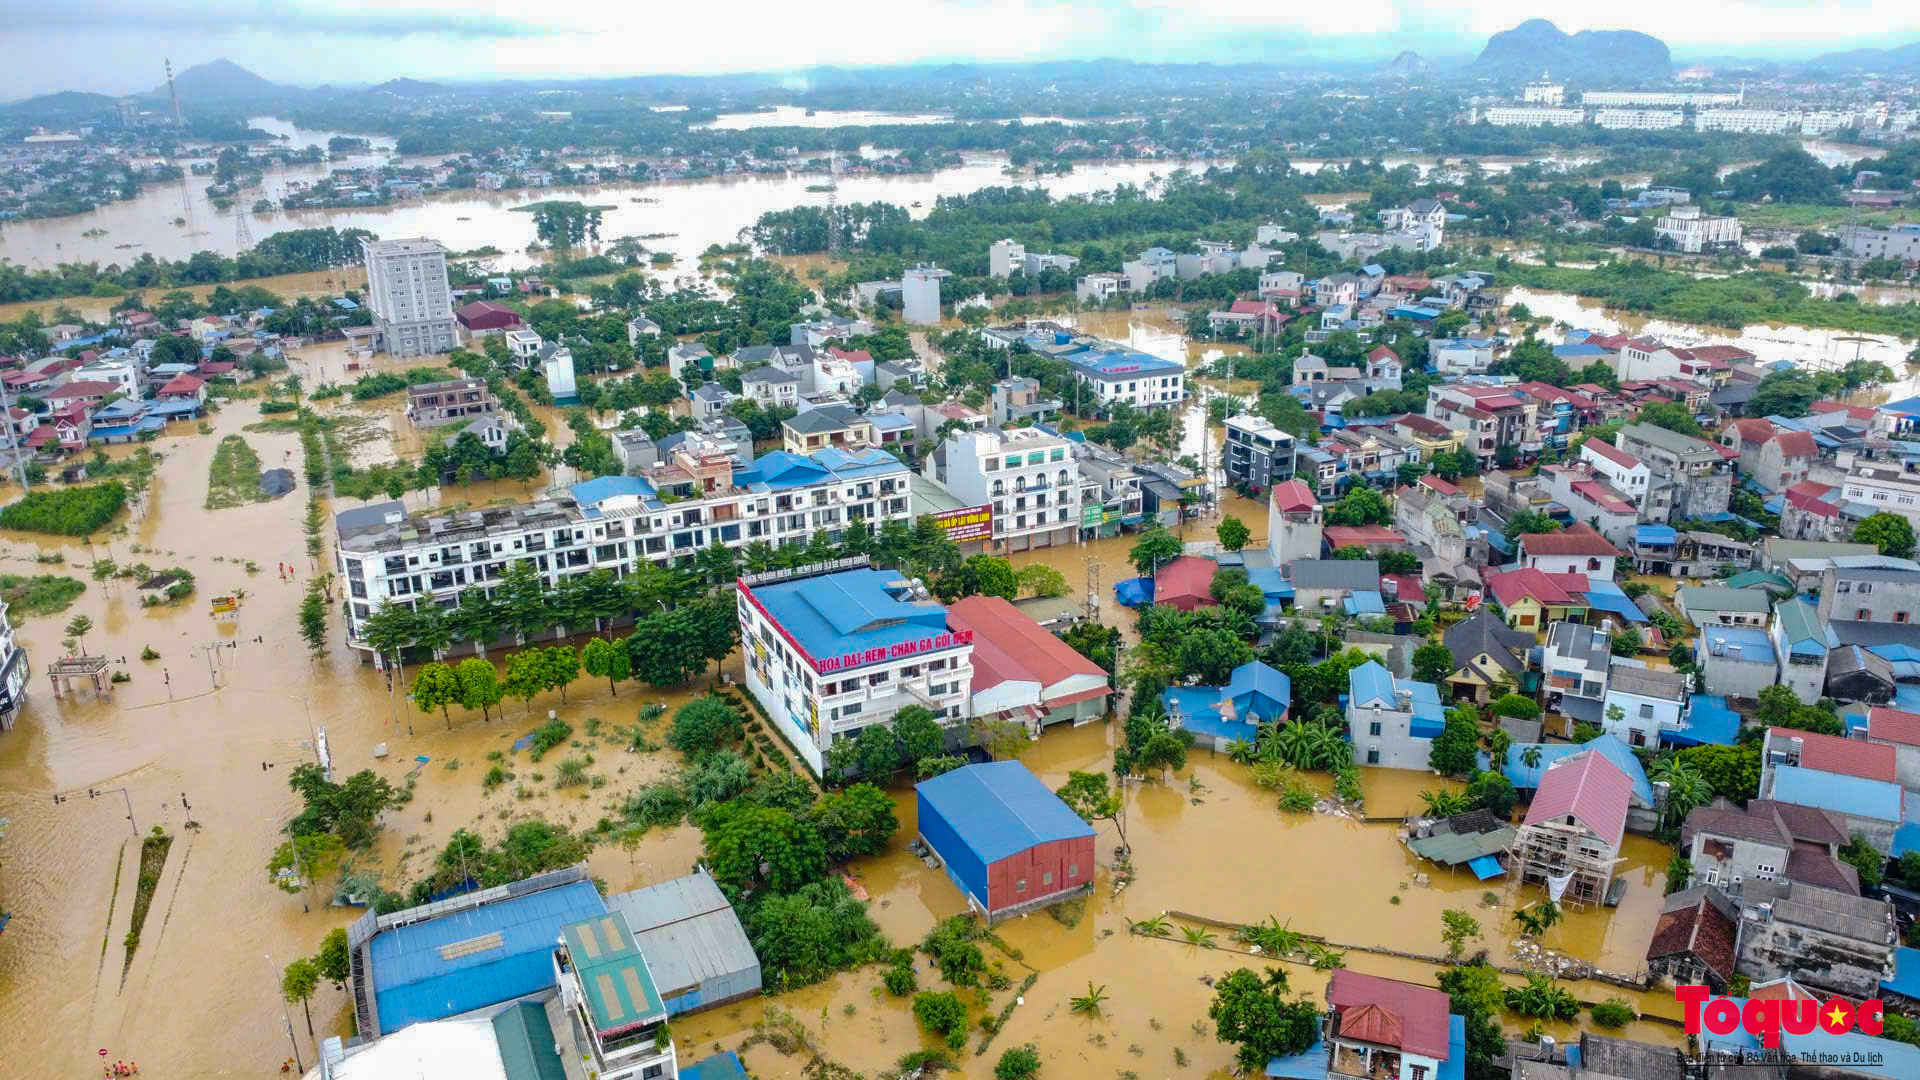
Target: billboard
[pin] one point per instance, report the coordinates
(966, 523)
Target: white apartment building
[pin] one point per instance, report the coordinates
(1532, 116)
(834, 649)
(1006, 258)
(1461, 356)
(1678, 98)
(1274, 234)
(1639, 119)
(1098, 288)
(1884, 486)
(1136, 378)
(920, 294)
(612, 522)
(1626, 473)
(1825, 121)
(122, 371)
(1027, 474)
(14, 675)
(1897, 242)
(1290, 282)
(1692, 231)
(407, 291)
(1757, 121)
(1544, 91)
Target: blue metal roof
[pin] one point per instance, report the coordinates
(1308, 1064)
(1486, 866)
(999, 808)
(1258, 678)
(1125, 362)
(724, 1065)
(1906, 838)
(1890, 1057)
(1197, 709)
(1609, 746)
(591, 493)
(1709, 721)
(1370, 684)
(1906, 973)
(1849, 795)
(1455, 1067)
(848, 612)
(414, 982)
(1656, 534)
(1365, 603)
(1604, 595)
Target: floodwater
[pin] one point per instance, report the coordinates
(683, 217)
(229, 707)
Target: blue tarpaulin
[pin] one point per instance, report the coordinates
(1709, 721)
(1486, 866)
(1133, 592)
(1906, 973)
(1906, 838)
(1604, 595)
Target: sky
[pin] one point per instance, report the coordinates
(116, 46)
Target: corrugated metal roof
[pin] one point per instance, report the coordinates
(1838, 792)
(527, 1044)
(474, 958)
(1588, 787)
(999, 808)
(614, 979)
(688, 932)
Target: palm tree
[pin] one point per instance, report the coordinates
(1686, 788)
(1530, 757)
(1154, 927)
(1499, 743)
(1089, 1003)
(1198, 935)
(1443, 803)
(1240, 752)
(1538, 918)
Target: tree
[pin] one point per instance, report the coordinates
(940, 1012)
(78, 628)
(1686, 788)
(1524, 522)
(1432, 663)
(1003, 740)
(607, 660)
(876, 752)
(479, 685)
(1474, 991)
(1530, 757)
(1361, 506)
(1039, 579)
(857, 821)
(1155, 548)
(919, 732)
(807, 935)
(390, 630)
(1019, 1062)
(1518, 706)
(1456, 750)
(560, 666)
(436, 686)
(1866, 859)
(1892, 533)
(1233, 533)
(312, 618)
(1254, 1012)
(750, 848)
(1627, 642)
(1732, 772)
(526, 675)
(1089, 795)
(1456, 928)
(1493, 792)
(1670, 415)
(299, 864)
(1538, 918)
(335, 957)
(1541, 998)
(297, 983)
(1783, 393)
(703, 725)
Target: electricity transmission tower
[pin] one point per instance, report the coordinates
(836, 245)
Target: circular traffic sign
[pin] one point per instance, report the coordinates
(103, 1051)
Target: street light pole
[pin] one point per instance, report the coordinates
(94, 793)
(286, 1018)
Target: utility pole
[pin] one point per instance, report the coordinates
(94, 793)
(286, 1018)
(13, 445)
(1093, 589)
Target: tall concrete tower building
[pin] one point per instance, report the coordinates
(920, 294)
(408, 292)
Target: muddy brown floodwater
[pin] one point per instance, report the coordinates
(231, 706)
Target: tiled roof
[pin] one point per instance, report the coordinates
(1894, 725)
(1577, 540)
(1188, 575)
(1292, 496)
(1833, 754)
(1512, 586)
(1422, 1010)
(1589, 787)
(1796, 444)
(998, 626)
(1612, 453)
(1693, 924)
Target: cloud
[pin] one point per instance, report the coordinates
(118, 16)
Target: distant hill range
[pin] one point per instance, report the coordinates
(1903, 58)
(220, 80)
(404, 87)
(1592, 57)
(1406, 65)
(66, 104)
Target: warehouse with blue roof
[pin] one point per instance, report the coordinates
(1008, 843)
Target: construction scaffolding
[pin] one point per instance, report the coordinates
(1565, 858)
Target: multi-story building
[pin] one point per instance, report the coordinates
(1019, 398)
(920, 294)
(607, 991)
(1869, 588)
(834, 649)
(1393, 720)
(1638, 119)
(1461, 356)
(1697, 471)
(407, 291)
(1384, 1029)
(1532, 116)
(1692, 231)
(1006, 258)
(1258, 454)
(1294, 523)
(1423, 219)
(1884, 486)
(1100, 287)
(614, 522)
(1108, 481)
(770, 387)
(13, 672)
(1027, 474)
(1900, 242)
(1650, 701)
(1136, 378)
(450, 402)
(1730, 846)
(1680, 98)
(1491, 417)
(1544, 91)
(1757, 121)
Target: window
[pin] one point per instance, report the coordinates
(1764, 871)
(1373, 757)
(1416, 1072)
(1712, 876)
(1863, 614)
(1046, 877)
(1845, 586)
(1020, 886)
(1373, 728)
(1646, 712)
(653, 1071)
(1073, 870)
(1865, 587)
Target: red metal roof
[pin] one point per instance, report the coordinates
(1612, 453)
(82, 388)
(1894, 725)
(1022, 645)
(1186, 576)
(1833, 754)
(1754, 431)
(1422, 1010)
(183, 384)
(1293, 496)
(1588, 787)
(1372, 1023)
(1796, 444)
(1383, 353)
(1439, 485)
(1339, 536)
(1579, 539)
(1857, 412)
(1511, 586)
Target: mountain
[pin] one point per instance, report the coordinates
(1405, 66)
(1903, 58)
(1590, 57)
(65, 103)
(404, 87)
(221, 79)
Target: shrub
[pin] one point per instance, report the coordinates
(940, 1012)
(1612, 1013)
(1018, 1063)
(549, 735)
(900, 979)
(704, 725)
(74, 511)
